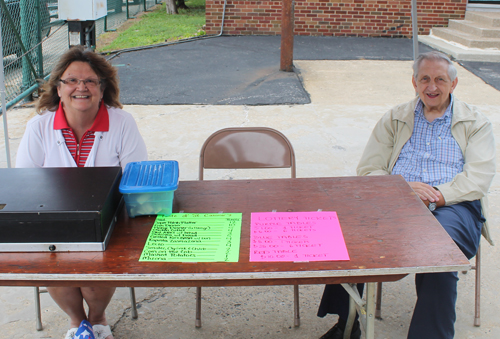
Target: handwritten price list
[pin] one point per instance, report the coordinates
(296, 236)
(189, 237)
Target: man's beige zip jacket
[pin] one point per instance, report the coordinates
(473, 133)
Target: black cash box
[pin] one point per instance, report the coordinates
(58, 209)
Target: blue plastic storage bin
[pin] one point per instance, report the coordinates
(148, 187)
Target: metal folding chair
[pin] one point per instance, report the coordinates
(247, 148)
(477, 305)
(38, 311)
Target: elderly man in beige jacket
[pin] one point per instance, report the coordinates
(445, 150)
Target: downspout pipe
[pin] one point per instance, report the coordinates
(414, 28)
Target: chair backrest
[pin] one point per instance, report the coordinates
(247, 147)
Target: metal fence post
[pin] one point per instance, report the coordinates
(39, 38)
(2, 98)
(25, 15)
(117, 8)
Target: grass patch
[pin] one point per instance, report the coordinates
(158, 27)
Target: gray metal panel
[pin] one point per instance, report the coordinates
(60, 246)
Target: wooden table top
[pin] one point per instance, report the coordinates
(388, 231)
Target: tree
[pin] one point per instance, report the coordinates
(171, 7)
(181, 4)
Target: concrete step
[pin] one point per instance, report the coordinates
(466, 39)
(478, 29)
(491, 19)
(460, 52)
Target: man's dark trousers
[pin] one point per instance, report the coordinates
(434, 314)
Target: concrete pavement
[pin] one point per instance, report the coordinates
(328, 135)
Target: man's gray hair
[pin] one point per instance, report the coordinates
(434, 56)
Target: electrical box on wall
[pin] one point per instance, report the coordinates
(80, 10)
(81, 16)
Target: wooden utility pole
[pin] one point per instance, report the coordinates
(287, 20)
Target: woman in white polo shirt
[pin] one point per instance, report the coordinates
(81, 123)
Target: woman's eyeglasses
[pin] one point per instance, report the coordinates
(73, 82)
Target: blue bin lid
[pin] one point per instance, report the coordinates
(150, 176)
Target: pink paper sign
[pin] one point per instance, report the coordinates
(296, 236)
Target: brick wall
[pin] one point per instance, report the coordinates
(374, 18)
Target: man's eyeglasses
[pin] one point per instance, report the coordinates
(89, 83)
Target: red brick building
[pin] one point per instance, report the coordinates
(362, 18)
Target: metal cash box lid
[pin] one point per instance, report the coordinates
(58, 209)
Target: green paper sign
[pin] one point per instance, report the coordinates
(194, 237)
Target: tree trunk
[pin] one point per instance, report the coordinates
(181, 4)
(171, 7)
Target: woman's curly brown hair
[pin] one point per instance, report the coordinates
(49, 99)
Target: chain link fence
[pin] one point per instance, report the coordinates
(33, 39)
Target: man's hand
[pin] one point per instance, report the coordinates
(427, 193)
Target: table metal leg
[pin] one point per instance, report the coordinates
(39, 325)
(350, 318)
(197, 322)
(366, 310)
(354, 302)
(133, 303)
(370, 310)
(378, 308)
(296, 307)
